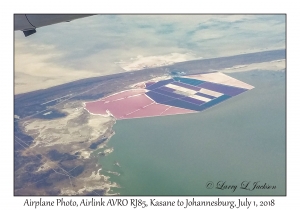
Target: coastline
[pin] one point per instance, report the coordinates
(60, 156)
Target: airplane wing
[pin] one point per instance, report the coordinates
(29, 23)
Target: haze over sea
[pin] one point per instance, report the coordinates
(242, 139)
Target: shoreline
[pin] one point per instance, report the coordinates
(61, 158)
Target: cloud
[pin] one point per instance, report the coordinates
(36, 70)
(92, 45)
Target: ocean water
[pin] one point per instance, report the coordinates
(237, 143)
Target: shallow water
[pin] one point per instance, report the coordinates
(241, 139)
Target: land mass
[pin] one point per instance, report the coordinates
(57, 143)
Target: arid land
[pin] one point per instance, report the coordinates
(58, 145)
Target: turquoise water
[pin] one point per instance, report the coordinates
(241, 139)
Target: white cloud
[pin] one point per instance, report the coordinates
(92, 45)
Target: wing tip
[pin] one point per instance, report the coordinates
(29, 32)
